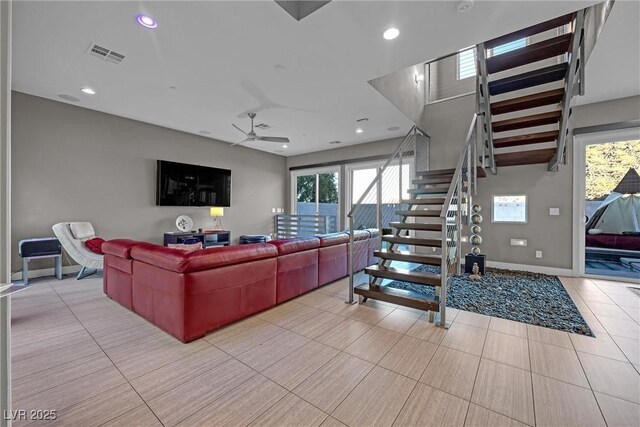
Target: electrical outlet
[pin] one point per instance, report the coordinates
(538, 254)
(554, 211)
(273, 210)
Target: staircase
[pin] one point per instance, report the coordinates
(430, 196)
(427, 230)
(523, 107)
(505, 89)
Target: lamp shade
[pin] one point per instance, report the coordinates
(216, 212)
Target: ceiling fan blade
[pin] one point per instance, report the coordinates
(238, 143)
(273, 139)
(239, 129)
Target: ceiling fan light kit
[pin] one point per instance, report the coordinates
(252, 136)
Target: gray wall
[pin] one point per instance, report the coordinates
(447, 123)
(75, 164)
(402, 90)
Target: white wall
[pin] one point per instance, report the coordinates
(71, 163)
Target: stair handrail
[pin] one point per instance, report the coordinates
(468, 157)
(406, 141)
(457, 175)
(577, 49)
(410, 139)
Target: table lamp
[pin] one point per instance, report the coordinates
(216, 213)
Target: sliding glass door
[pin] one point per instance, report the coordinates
(317, 192)
(389, 191)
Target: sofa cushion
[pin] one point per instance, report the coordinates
(296, 244)
(361, 235)
(332, 239)
(183, 262)
(119, 247)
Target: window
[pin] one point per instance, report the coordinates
(317, 193)
(467, 57)
(509, 208)
(508, 47)
(466, 63)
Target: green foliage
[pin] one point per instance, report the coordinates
(607, 164)
(328, 183)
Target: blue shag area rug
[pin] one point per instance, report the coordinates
(536, 299)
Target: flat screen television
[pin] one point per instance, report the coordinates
(180, 184)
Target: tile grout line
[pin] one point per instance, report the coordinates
(475, 379)
(107, 356)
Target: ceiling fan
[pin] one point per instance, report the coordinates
(252, 136)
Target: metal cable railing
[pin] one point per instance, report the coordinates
(455, 213)
(376, 206)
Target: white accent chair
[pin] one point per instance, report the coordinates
(72, 236)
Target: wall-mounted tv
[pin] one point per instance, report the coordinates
(180, 184)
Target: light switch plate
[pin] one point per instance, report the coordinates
(273, 210)
(518, 242)
(538, 254)
(554, 211)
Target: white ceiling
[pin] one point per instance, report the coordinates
(306, 79)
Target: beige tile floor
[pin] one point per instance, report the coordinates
(318, 361)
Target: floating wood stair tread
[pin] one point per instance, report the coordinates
(408, 256)
(435, 243)
(533, 78)
(420, 277)
(415, 226)
(529, 101)
(441, 173)
(533, 53)
(433, 181)
(529, 31)
(541, 119)
(532, 138)
(443, 189)
(525, 157)
(397, 296)
(433, 213)
(425, 201)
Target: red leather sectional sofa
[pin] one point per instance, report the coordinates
(188, 294)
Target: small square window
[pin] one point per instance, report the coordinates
(509, 209)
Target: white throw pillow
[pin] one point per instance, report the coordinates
(82, 230)
(595, 231)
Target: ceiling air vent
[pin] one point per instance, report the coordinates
(105, 54)
(262, 126)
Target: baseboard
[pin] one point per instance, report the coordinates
(554, 271)
(34, 274)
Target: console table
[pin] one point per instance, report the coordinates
(208, 238)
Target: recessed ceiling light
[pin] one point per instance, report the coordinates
(464, 5)
(393, 128)
(88, 91)
(204, 132)
(335, 142)
(285, 146)
(359, 130)
(147, 21)
(391, 33)
(68, 97)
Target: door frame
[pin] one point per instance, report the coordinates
(293, 196)
(580, 142)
